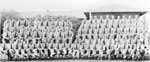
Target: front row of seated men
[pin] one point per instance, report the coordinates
(76, 50)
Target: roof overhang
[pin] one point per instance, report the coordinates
(116, 9)
(140, 13)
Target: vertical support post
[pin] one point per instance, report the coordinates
(90, 14)
(145, 30)
(0, 28)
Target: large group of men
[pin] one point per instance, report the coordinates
(114, 37)
(52, 37)
(36, 38)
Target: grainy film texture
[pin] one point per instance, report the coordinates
(107, 34)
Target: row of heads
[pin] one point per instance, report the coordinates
(40, 17)
(115, 17)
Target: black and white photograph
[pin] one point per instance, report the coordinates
(74, 30)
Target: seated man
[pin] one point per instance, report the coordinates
(104, 55)
(3, 54)
(75, 52)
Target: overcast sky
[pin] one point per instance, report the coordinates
(37, 5)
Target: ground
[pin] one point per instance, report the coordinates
(76, 61)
